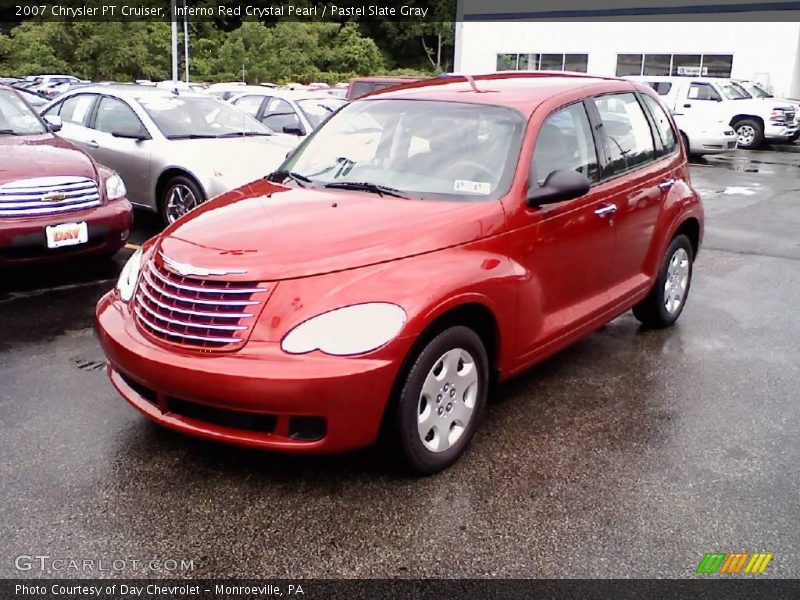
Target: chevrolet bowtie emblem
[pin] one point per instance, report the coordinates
(187, 269)
(54, 197)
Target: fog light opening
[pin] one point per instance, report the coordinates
(307, 429)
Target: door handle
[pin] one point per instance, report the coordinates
(665, 185)
(92, 144)
(687, 106)
(606, 210)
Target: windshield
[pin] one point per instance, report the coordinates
(317, 110)
(756, 91)
(421, 148)
(199, 117)
(733, 91)
(16, 118)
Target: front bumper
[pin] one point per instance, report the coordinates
(258, 396)
(713, 143)
(23, 239)
(783, 131)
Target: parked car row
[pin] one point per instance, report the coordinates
(706, 107)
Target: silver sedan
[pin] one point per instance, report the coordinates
(173, 149)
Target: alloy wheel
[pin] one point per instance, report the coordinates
(180, 200)
(677, 281)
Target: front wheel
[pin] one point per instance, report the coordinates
(442, 400)
(665, 302)
(750, 133)
(180, 195)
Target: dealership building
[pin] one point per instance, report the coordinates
(634, 40)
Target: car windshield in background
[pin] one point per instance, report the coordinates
(756, 91)
(16, 118)
(733, 91)
(317, 110)
(415, 148)
(188, 117)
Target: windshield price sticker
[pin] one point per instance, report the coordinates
(466, 186)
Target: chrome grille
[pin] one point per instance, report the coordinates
(47, 196)
(191, 311)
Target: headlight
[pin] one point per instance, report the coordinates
(350, 330)
(115, 187)
(126, 284)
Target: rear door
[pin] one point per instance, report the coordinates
(76, 112)
(641, 173)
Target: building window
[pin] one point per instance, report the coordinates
(656, 64)
(543, 62)
(507, 62)
(629, 64)
(689, 65)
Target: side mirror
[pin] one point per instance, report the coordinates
(559, 186)
(131, 134)
(54, 123)
(292, 130)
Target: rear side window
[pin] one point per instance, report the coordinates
(249, 104)
(76, 109)
(630, 141)
(664, 127)
(360, 88)
(662, 88)
(565, 142)
(703, 91)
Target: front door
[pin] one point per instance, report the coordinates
(566, 249)
(127, 156)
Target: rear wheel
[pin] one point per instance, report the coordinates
(662, 307)
(442, 400)
(180, 195)
(750, 133)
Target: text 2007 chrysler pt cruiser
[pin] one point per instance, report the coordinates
(422, 244)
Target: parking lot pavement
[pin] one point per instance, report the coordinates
(632, 453)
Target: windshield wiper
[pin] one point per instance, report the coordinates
(280, 176)
(234, 134)
(192, 136)
(365, 186)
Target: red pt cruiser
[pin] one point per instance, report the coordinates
(423, 244)
(55, 201)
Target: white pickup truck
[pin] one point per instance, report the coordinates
(715, 99)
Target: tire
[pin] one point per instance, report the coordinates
(456, 357)
(673, 275)
(182, 185)
(794, 137)
(685, 140)
(750, 133)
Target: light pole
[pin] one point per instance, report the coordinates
(186, 40)
(174, 41)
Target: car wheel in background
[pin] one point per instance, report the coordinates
(685, 140)
(750, 133)
(665, 302)
(794, 137)
(180, 195)
(442, 400)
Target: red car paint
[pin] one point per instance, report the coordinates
(546, 277)
(22, 238)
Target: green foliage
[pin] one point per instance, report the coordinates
(254, 52)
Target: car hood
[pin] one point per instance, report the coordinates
(273, 232)
(235, 160)
(44, 155)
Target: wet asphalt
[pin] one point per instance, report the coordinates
(630, 454)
